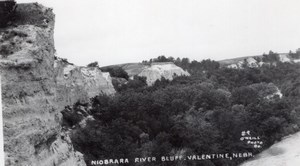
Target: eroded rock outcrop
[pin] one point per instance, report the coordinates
(257, 61)
(36, 88)
(154, 71)
(77, 81)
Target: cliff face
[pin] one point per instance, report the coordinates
(36, 88)
(80, 83)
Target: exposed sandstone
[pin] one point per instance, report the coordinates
(154, 71)
(36, 88)
(77, 81)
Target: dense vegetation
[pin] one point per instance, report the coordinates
(203, 113)
(194, 67)
(116, 71)
(7, 9)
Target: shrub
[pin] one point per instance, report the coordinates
(93, 64)
(116, 72)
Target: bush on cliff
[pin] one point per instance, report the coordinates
(116, 72)
(7, 9)
(93, 64)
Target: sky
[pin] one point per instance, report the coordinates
(124, 31)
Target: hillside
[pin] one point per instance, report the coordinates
(153, 71)
(204, 113)
(58, 114)
(259, 60)
(285, 152)
(36, 87)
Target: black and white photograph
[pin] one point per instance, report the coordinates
(150, 83)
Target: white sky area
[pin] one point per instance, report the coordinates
(122, 31)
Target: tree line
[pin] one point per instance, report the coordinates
(202, 113)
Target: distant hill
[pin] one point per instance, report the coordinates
(226, 62)
(152, 72)
(259, 60)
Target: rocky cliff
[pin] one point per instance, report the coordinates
(77, 81)
(36, 87)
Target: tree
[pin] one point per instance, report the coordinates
(162, 58)
(271, 57)
(244, 95)
(185, 63)
(295, 55)
(136, 83)
(202, 113)
(210, 99)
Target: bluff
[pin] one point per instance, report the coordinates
(36, 87)
(154, 71)
(157, 70)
